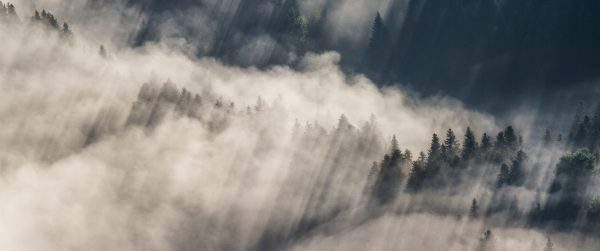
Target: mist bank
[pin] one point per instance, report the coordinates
(263, 163)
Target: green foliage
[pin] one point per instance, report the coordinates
(592, 210)
(581, 162)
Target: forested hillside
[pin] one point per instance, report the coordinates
(146, 146)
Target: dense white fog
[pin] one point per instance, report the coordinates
(279, 168)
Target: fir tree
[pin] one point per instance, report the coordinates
(450, 147)
(511, 139)
(407, 155)
(517, 172)
(469, 145)
(474, 210)
(503, 176)
(417, 173)
(390, 175)
(66, 30)
(486, 143)
(36, 16)
(434, 149)
(547, 140)
(376, 53)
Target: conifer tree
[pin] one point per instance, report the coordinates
(10, 9)
(517, 172)
(511, 139)
(547, 140)
(376, 53)
(36, 16)
(417, 173)
(474, 210)
(469, 145)
(434, 149)
(66, 30)
(407, 155)
(486, 142)
(503, 176)
(389, 178)
(450, 146)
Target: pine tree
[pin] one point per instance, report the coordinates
(559, 138)
(102, 52)
(474, 210)
(486, 143)
(547, 140)
(469, 145)
(390, 175)
(503, 176)
(577, 120)
(66, 30)
(450, 146)
(36, 16)
(290, 21)
(10, 9)
(500, 140)
(376, 53)
(582, 133)
(407, 155)
(417, 173)
(513, 175)
(517, 171)
(434, 149)
(511, 139)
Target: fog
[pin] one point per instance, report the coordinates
(275, 159)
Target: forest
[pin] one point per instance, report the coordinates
(157, 144)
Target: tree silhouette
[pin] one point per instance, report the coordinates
(389, 178)
(469, 145)
(435, 151)
(377, 49)
(450, 148)
(474, 209)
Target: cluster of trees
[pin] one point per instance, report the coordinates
(444, 44)
(570, 199)
(293, 31)
(585, 130)
(446, 163)
(7, 10)
(154, 103)
(48, 19)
